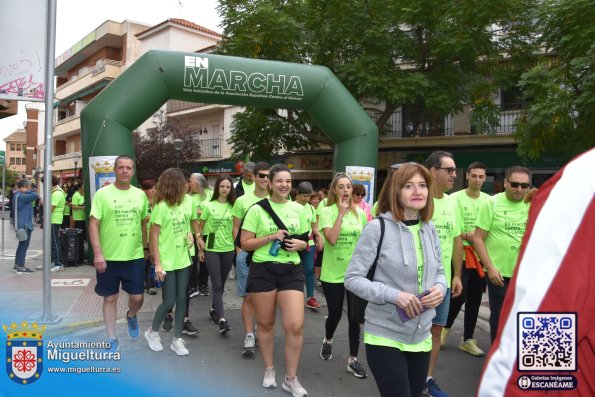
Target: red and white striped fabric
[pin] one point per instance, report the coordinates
(555, 273)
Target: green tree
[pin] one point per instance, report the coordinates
(155, 151)
(432, 54)
(560, 90)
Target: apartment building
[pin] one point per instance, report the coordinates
(15, 157)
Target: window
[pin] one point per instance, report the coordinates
(12, 146)
(18, 160)
(511, 98)
(12, 161)
(24, 161)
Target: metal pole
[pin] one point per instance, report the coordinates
(48, 316)
(3, 197)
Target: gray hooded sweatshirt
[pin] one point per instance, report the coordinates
(396, 272)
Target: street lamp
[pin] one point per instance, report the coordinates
(76, 161)
(178, 143)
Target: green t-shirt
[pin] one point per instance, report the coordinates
(173, 234)
(243, 203)
(448, 225)
(190, 213)
(419, 254)
(58, 200)
(260, 223)
(423, 346)
(505, 221)
(219, 220)
(336, 257)
(199, 200)
(121, 213)
(248, 189)
(468, 209)
(78, 199)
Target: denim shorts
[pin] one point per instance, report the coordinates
(130, 273)
(442, 310)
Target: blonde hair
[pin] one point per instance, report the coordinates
(171, 187)
(332, 198)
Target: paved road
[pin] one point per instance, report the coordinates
(215, 365)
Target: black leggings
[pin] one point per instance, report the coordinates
(473, 288)
(398, 373)
(334, 294)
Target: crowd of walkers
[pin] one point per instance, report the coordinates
(407, 256)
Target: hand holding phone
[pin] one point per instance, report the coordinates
(403, 314)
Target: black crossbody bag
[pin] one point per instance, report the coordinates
(356, 306)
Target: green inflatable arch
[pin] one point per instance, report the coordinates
(107, 121)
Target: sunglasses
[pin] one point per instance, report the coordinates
(361, 194)
(262, 175)
(514, 185)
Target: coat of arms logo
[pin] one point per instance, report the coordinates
(24, 352)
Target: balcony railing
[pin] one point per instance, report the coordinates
(415, 123)
(174, 105)
(420, 123)
(210, 148)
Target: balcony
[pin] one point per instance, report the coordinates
(174, 105)
(210, 148)
(67, 127)
(100, 75)
(65, 162)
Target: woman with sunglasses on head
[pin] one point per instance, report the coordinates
(341, 222)
(359, 192)
(218, 250)
(276, 275)
(408, 283)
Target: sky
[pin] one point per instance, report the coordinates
(76, 18)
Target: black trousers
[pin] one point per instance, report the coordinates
(496, 295)
(398, 373)
(473, 288)
(334, 294)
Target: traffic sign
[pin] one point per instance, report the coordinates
(2, 156)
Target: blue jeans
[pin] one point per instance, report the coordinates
(19, 259)
(56, 246)
(307, 258)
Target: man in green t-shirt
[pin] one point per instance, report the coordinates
(57, 202)
(468, 202)
(448, 225)
(78, 209)
(118, 235)
(499, 231)
(240, 207)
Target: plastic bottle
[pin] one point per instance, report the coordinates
(275, 247)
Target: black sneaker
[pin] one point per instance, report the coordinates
(204, 290)
(168, 323)
(224, 327)
(213, 316)
(189, 329)
(192, 293)
(356, 369)
(326, 352)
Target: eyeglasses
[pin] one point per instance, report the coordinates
(449, 170)
(514, 185)
(361, 194)
(262, 175)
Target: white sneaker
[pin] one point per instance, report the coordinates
(154, 340)
(269, 378)
(232, 273)
(57, 268)
(294, 387)
(249, 342)
(39, 267)
(178, 345)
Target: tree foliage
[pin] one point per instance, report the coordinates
(560, 90)
(155, 151)
(434, 54)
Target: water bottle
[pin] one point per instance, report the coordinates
(275, 247)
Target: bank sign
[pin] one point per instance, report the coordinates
(200, 79)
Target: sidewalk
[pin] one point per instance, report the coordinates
(215, 362)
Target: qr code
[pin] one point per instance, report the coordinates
(546, 341)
